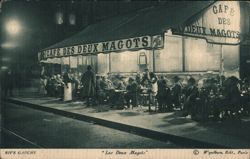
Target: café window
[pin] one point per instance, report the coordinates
(124, 62)
(200, 56)
(59, 17)
(143, 61)
(72, 19)
(143, 58)
(65, 64)
(169, 59)
(103, 63)
(73, 61)
(65, 60)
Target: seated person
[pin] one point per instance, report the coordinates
(76, 81)
(131, 94)
(106, 84)
(100, 89)
(53, 85)
(118, 94)
(104, 90)
(120, 83)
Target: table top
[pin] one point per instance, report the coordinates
(117, 90)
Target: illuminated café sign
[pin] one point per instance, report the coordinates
(144, 42)
(220, 23)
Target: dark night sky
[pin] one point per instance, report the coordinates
(40, 30)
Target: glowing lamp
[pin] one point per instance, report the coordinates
(13, 27)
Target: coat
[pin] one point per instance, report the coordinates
(89, 84)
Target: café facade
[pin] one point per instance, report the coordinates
(187, 38)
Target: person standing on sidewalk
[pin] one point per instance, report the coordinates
(191, 95)
(8, 85)
(131, 94)
(176, 94)
(4, 83)
(163, 95)
(88, 81)
(153, 88)
(67, 86)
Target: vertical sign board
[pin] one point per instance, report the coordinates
(219, 24)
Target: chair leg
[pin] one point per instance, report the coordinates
(155, 108)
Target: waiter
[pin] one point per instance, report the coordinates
(67, 87)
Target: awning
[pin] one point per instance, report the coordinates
(140, 24)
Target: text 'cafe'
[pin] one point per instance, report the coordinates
(202, 36)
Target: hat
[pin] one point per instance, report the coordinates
(191, 80)
(89, 67)
(176, 78)
(130, 79)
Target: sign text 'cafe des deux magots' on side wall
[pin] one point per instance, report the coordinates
(220, 23)
(144, 42)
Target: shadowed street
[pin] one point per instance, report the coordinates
(28, 128)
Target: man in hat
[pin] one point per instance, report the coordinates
(176, 93)
(145, 76)
(88, 81)
(191, 95)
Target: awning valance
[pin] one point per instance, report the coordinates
(133, 31)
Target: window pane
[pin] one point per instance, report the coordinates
(124, 62)
(65, 60)
(200, 56)
(79, 60)
(59, 18)
(169, 58)
(231, 60)
(103, 65)
(72, 19)
(73, 62)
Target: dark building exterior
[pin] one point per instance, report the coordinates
(47, 22)
(44, 23)
(209, 36)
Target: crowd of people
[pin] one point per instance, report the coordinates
(212, 96)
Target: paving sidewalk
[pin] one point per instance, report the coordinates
(165, 126)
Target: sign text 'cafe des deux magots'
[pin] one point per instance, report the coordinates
(219, 24)
(143, 42)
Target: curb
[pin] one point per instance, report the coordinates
(185, 142)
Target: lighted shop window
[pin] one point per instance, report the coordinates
(170, 58)
(142, 58)
(103, 63)
(72, 19)
(65, 60)
(201, 57)
(59, 18)
(73, 62)
(124, 62)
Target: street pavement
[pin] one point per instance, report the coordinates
(29, 128)
(160, 126)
